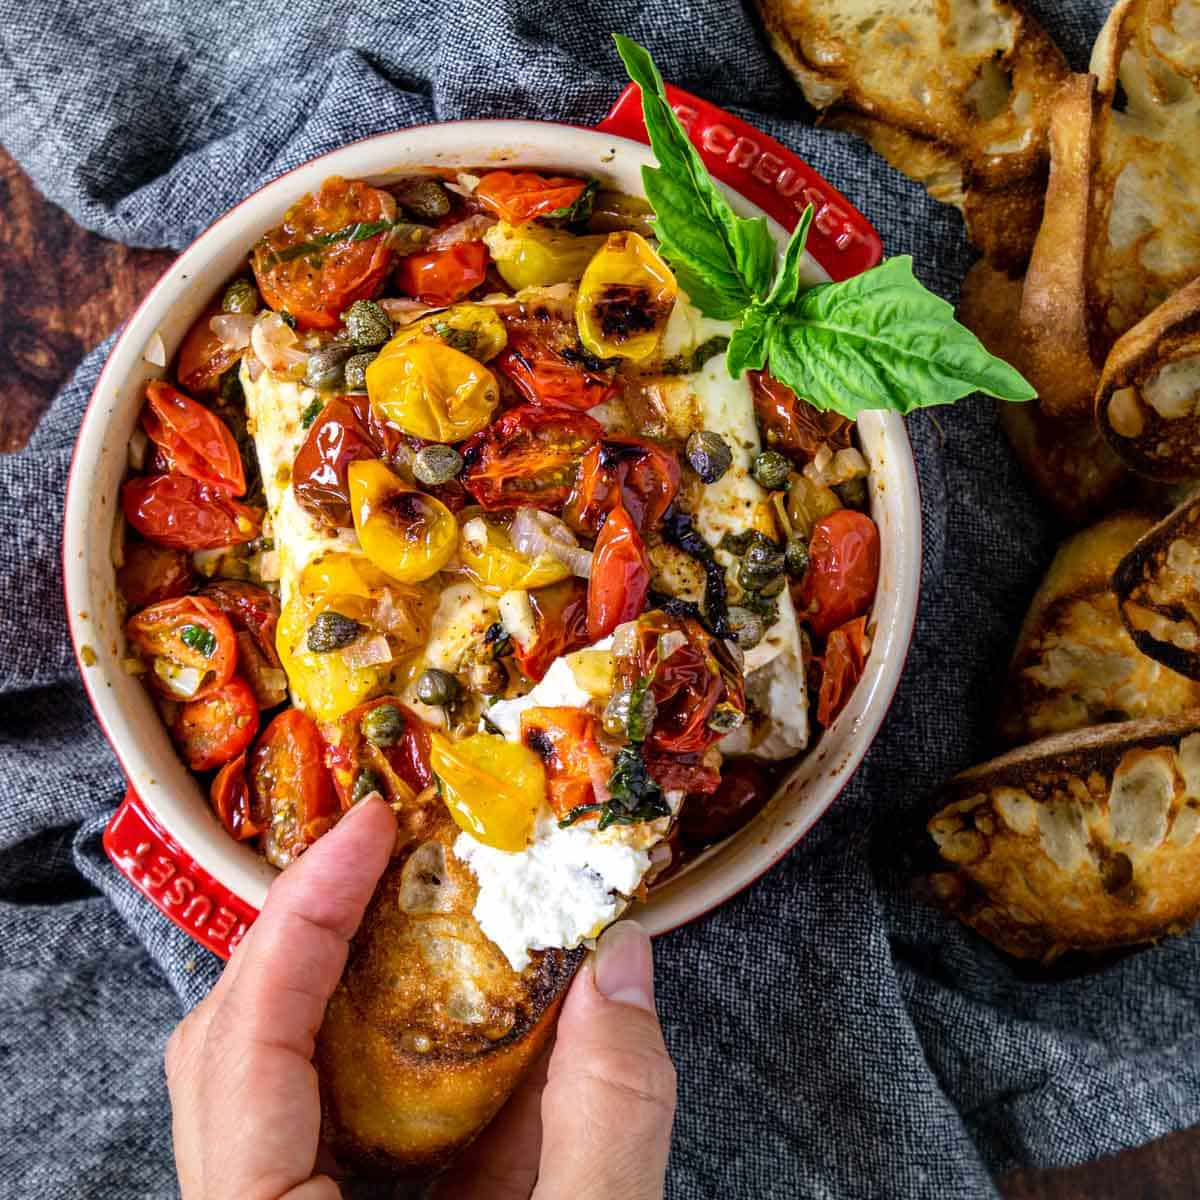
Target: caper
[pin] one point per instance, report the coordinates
(853, 493)
(356, 371)
(436, 464)
(436, 687)
(331, 631)
(737, 543)
(709, 455)
(764, 558)
(367, 324)
(423, 198)
(725, 718)
(366, 782)
(771, 470)
(383, 725)
(326, 370)
(795, 557)
(748, 627)
(241, 296)
(772, 587)
(623, 719)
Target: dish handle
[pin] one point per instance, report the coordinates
(766, 172)
(172, 881)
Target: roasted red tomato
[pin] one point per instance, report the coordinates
(332, 249)
(230, 796)
(791, 424)
(190, 645)
(639, 475)
(620, 575)
(560, 617)
(203, 358)
(681, 772)
(544, 375)
(176, 510)
(841, 668)
(193, 439)
(254, 613)
(151, 573)
(289, 780)
(530, 455)
(347, 430)
(211, 731)
(443, 276)
(385, 738)
(691, 674)
(565, 740)
(745, 786)
(519, 196)
(843, 570)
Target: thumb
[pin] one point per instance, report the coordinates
(610, 1098)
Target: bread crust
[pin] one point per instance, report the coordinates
(430, 1029)
(1084, 841)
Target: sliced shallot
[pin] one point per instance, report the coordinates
(233, 329)
(369, 651)
(534, 533)
(470, 229)
(276, 343)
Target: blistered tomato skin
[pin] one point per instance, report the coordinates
(231, 800)
(620, 575)
(633, 472)
(475, 329)
(443, 276)
(625, 299)
(406, 533)
(492, 788)
(560, 618)
(843, 570)
(189, 635)
(186, 514)
(211, 731)
(488, 557)
(545, 376)
(203, 358)
(519, 196)
(151, 573)
(432, 391)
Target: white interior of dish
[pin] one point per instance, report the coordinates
(126, 712)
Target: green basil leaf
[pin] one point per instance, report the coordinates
(196, 637)
(578, 211)
(882, 341)
(311, 413)
(787, 281)
(748, 346)
(723, 262)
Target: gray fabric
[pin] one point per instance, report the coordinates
(834, 1037)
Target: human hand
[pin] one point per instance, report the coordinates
(592, 1120)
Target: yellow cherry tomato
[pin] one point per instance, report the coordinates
(625, 299)
(406, 533)
(475, 329)
(490, 559)
(432, 390)
(322, 684)
(534, 256)
(492, 788)
(340, 574)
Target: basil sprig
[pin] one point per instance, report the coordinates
(879, 340)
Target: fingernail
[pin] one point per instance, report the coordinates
(624, 966)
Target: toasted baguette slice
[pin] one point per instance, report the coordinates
(1085, 841)
(1075, 664)
(1067, 461)
(954, 93)
(1148, 399)
(1158, 590)
(430, 1028)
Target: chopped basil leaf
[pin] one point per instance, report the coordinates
(196, 637)
(311, 413)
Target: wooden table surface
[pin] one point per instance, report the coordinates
(63, 289)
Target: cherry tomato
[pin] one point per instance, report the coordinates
(218, 727)
(443, 276)
(190, 643)
(544, 375)
(346, 430)
(625, 299)
(289, 780)
(402, 768)
(231, 799)
(841, 668)
(620, 575)
(688, 684)
(640, 476)
(318, 261)
(517, 196)
(843, 570)
(176, 510)
(408, 534)
(565, 740)
(560, 618)
(791, 424)
(151, 573)
(530, 455)
(745, 786)
(254, 613)
(681, 772)
(203, 358)
(193, 438)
